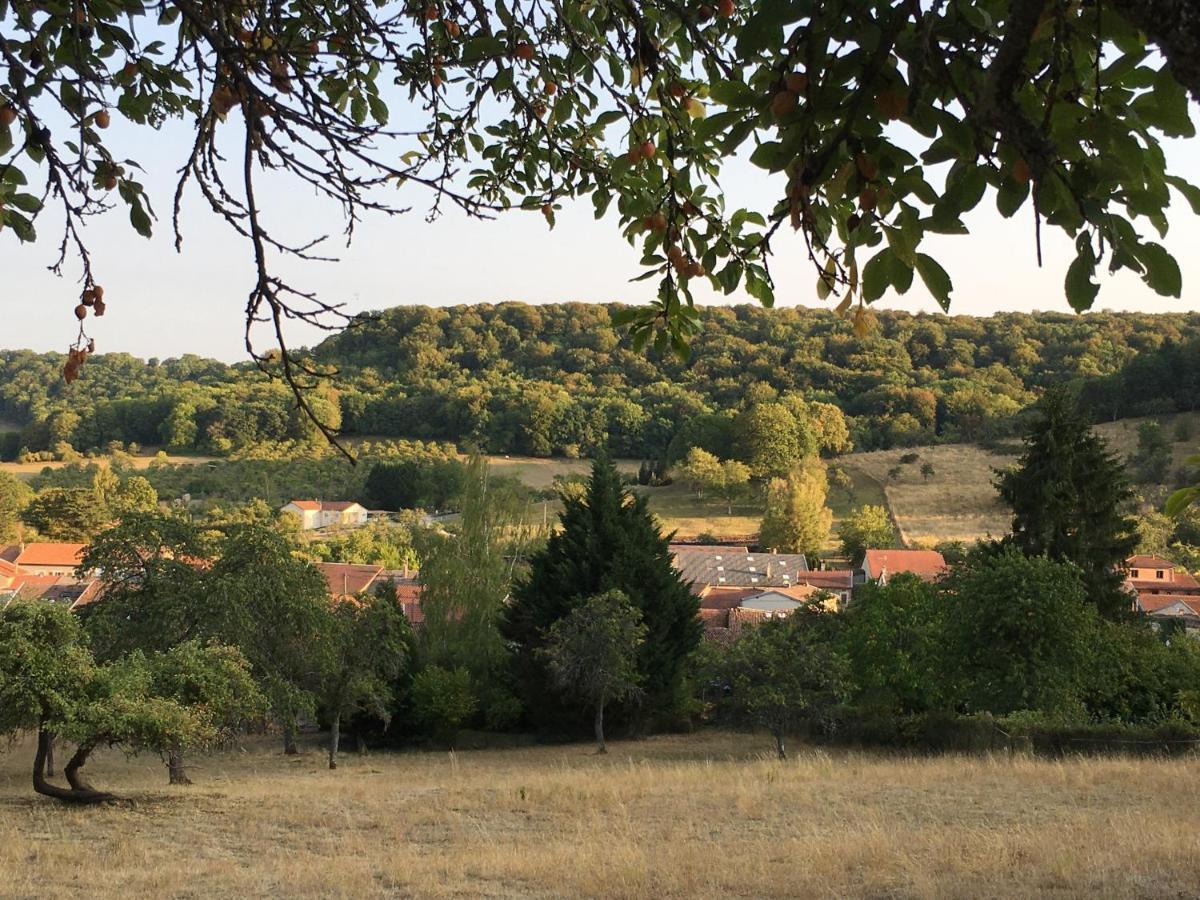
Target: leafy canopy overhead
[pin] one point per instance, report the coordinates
(878, 121)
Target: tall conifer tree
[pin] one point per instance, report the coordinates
(608, 541)
(1067, 493)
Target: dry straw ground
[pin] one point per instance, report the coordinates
(695, 816)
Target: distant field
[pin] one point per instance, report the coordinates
(26, 471)
(539, 473)
(701, 815)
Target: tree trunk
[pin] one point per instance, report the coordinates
(600, 748)
(335, 737)
(289, 739)
(779, 748)
(79, 792)
(175, 770)
(74, 764)
(50, 757)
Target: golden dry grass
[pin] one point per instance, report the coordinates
(957, 503)
(26, 471)
(696, 816)
(539, 473)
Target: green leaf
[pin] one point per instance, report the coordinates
(140, 219)
(1190, 192)
(1162, 271)
(937, 281)
(876, 275)
(1081, 290)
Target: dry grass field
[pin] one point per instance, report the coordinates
(26, 471)
(697, 816)
(959, 502)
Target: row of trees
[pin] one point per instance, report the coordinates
(560, 379)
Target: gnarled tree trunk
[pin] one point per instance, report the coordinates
(779, 748)
(335, 737)
(50, 757)
(80, 791)
(175, 769)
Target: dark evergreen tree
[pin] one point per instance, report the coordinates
(608, 541)
(1067, 495)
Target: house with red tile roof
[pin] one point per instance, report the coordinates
(1163, 590)
(349, 580)
(880, 565)
(44, 557)
(327, 513)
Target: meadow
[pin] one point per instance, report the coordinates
(702, 815)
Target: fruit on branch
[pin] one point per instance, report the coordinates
(891, 104)
(550, 89)
(452, 28)
(81, 312)
(103, 119)
(725, 9)
(868, 199)
(431, 13)
(784, 103)
(647, 149)
(8, 114)
(797, 82)
(867, 167)
(523, 51)
(1021, 171)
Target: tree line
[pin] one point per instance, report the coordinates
(561, 379)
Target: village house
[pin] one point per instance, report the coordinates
(327, 513)
(877, 566)
(1161, 590)
(735, 586)
(349, 580)
(44, 571)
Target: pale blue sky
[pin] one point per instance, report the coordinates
(165, 304)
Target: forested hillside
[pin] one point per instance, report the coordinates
(561, 380)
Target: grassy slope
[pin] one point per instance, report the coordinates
(703, 815)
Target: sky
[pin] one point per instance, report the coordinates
(164, 304)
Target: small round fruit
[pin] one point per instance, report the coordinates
(647, 149)
(98, 291)
(674, 254)
(725, 9)
(550, 89)
(634, 156)
(453, 29)
(436, 81)
(1021, 171)
(130, 69)
(868, 199)
(547, 210)
(704, 12)
(797, 82)
(783, 103)
(524, 51)
(88, 297)
(677, 90)
(431, 13)
(658, 222)
(696, 269)
(110, 183)
(99, 308)
(867, 166)
(103, 119)
(81, 312)
(8, 115)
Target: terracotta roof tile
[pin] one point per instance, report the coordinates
(926, 564)
(50, 554)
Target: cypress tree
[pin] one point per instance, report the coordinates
(608, 541)
(1067, 493)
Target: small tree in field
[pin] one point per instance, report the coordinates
(783, 672)
(442, 701)
(732, 481)
(50, 684)
(700, 469)
(927, 470)
(592, 653)
(796, 519)
(371, 642)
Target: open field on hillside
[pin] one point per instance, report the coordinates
(26, 471)
(959, 502)
(539, 473)
(684, 816)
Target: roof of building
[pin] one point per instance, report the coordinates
(7, 567)
(1152, 603)
(1180, 583)
(50, 553)
(707, 548)
(830, 579)
(322, 505)
(1178, 606)
(740, 568)
(1145, 561)
(348, 579)
(926, 564)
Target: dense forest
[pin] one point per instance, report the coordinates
(562, 380)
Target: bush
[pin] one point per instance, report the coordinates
(442, 701)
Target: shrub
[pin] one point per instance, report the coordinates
(442, 701)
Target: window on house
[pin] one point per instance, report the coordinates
(1133, 573)
(1158, 573)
